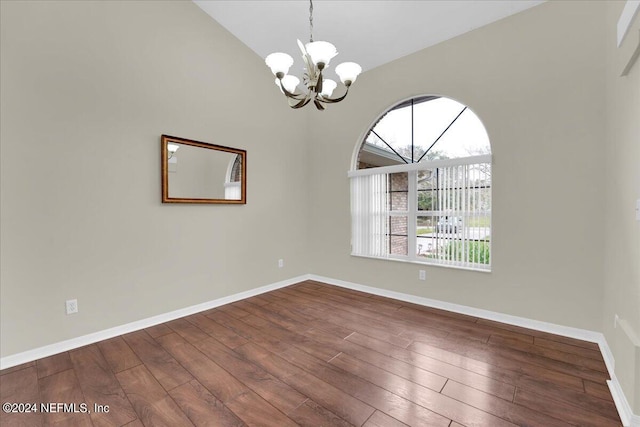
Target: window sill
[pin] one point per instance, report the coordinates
(410, 261)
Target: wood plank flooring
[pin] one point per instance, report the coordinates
(316, 355)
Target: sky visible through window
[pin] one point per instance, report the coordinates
(466, 136)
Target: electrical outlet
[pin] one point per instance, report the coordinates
(422, 275)
(280, 263)
(72, 306)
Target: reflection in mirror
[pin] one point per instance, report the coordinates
(197, 172)
(233, 179)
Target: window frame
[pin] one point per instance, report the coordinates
(412, 213)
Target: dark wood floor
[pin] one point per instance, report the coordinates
(318, 355)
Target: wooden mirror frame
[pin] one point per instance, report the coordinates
(166, 139)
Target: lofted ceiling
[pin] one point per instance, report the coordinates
(370, 33)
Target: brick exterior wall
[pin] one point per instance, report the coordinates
(399, 201)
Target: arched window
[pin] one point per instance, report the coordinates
(421, 186)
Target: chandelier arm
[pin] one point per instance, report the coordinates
(333, 100)
(318, 87)
(300, 104)
(296, 96)
(318, 105)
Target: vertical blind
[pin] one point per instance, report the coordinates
(449, 212)
(369, 213)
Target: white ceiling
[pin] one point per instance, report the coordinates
(370, 33)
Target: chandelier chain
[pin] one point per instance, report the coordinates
(310, 20)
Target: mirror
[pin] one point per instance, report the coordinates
(198, 172)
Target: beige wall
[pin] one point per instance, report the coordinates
(87, 90)
(622, 188)
(536, 80)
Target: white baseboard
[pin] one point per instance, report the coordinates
(567, 331)
(59, 347)
(622, 404)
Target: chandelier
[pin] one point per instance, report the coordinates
(316, 57)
